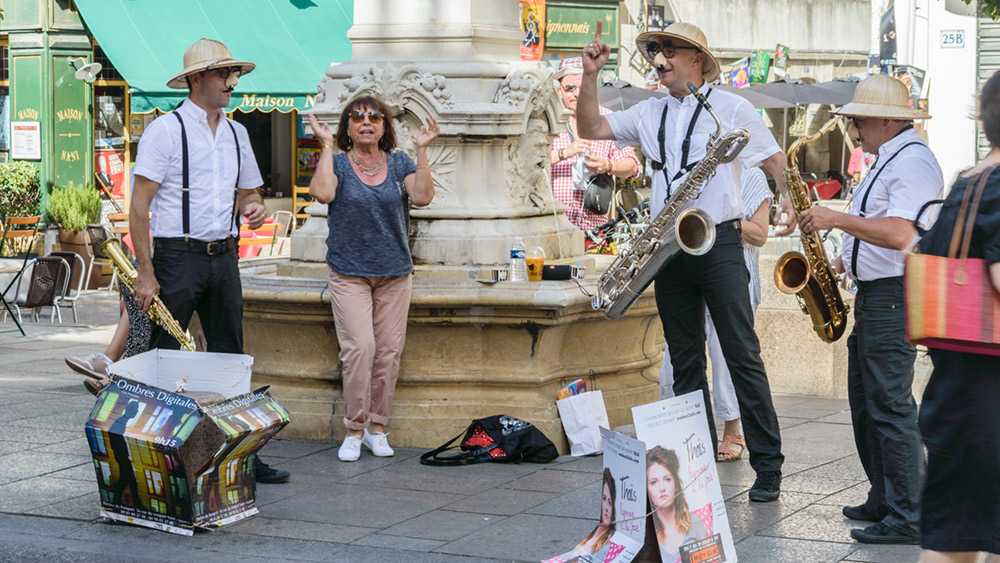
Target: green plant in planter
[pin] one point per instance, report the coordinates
(74, 206)
(19, 189)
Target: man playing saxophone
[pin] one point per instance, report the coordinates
(674, 132)
(877, 231)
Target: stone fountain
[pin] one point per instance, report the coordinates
(472, 349)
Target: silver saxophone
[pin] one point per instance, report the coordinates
(673, 229)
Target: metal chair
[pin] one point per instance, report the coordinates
(96, 235)
(76, 269)
(49, 278)
(17, 228)
(285, 221)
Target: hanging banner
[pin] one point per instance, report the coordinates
(740, 74)
(913, 78)
(760, 64)
(533, 27)
(682, 481)
(887, 37)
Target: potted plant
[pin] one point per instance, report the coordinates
(19, 193)
(74, 207)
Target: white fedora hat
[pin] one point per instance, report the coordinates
(206, 54)
(884, 97)
(687, 32)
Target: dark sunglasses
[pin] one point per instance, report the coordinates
(856, 121)
(374, 116)
(668, 50)
(226, 71)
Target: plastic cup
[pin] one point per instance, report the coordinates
(535, 259)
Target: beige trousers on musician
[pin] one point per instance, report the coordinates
(370, 319)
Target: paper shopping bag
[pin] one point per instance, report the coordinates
(581, 416)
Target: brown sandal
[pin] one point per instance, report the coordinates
(728, 448)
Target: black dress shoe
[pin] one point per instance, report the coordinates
(861, 513)
(767, 487)
(882, 534)
(264, 473)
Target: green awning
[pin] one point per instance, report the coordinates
(292, 42)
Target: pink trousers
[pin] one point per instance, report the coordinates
(370, 318)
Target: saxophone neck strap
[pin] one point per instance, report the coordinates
(685, 146)
(864, 203)
(186, 174)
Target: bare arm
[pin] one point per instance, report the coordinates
(323, 185)
(589, 122)
(420, 186)
(251, 206)
(145, 285)
(755, 228)
(995, 276)
(776, 164)
(895, 233)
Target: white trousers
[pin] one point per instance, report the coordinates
(723, 393)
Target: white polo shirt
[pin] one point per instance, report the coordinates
(212, 172)
(720, 197)
(908, 181)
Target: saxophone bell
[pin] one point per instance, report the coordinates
(695, 231)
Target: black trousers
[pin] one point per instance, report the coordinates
(719, 279)
(883, 411)
(211, 286)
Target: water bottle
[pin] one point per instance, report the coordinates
(518, 266)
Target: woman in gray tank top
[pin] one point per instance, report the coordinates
(368, 188)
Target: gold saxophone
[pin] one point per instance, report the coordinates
(157, 310)
(676, 228)
(807, 274)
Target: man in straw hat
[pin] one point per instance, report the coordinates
(877, 231)
(196, 170)
(576, 160)
(674, 132)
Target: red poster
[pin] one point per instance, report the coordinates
(111, 162)
(533, 26)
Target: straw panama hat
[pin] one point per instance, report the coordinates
(205, 54)
(883, 97)
(690, 33)
(572, 65)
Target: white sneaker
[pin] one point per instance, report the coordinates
(378, 444)
(350, 450)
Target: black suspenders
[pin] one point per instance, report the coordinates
(864, 203)
(685, 146)
(185, 167)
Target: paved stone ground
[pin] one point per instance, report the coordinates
(383, 510)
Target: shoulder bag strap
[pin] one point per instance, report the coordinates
(961, 277)
(431, 457)
(864, 204)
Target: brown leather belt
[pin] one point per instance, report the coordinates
(195, 246)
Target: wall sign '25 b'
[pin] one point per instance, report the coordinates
(952, 38)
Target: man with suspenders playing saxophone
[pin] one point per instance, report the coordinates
(196, 170)
(674, 132)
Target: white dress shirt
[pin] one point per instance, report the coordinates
(720, 196)
(910, 180)
(212, 172)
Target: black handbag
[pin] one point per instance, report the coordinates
(597, 198)
(498, 438)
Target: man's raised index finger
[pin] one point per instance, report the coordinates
(597, 36)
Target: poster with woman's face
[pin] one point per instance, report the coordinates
(621, 524)
(682, 483)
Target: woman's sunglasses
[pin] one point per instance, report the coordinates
(668, 50)
(374, 116)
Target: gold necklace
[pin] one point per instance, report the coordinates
(372, 170)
